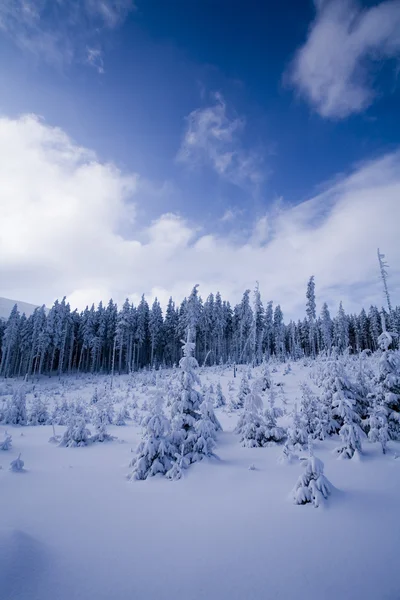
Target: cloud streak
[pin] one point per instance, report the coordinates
(64, 31)
(212, 138)
(332, 69)
(68, 227)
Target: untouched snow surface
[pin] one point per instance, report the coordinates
(72, 527)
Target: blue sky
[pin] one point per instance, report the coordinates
(227, 113)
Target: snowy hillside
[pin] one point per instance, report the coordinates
(228, 529)
(6, 306)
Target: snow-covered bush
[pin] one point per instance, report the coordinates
(185, 407)
(17, 465)
(38, 412)
(273, 432)
(76, 434)
(102, 417)
(350, 432)
(312, 486)
(244, 390)
(156, 452)
(378, 425)
(296, 432)
(251, 425)
(219, 396)
(15, 410)
(7, 442)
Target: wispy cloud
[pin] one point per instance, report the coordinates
(62, 31)
(332, 70)
(64, 230)
(95, 59)
(213, 138)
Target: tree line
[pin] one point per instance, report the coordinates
(108, 339)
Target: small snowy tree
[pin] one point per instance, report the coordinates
(38, 413)
(185, 408)
(76, 434)
(244, 390)
(312, 486)
(266, 378)
(17, 465)
(251, 425)
(273, 432)
(206, 428)
(297, 432)
(350, 432)
(15, 412)
(181, 463)
(155, 453)
(7, 442)
(219, 396)
(378, 425)
(102, 417)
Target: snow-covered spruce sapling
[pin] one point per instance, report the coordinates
(251, 425)
(76, 434)
(351, 433)
(244, 390)
(101, 419)
(38, 413)
(7, 442)
(185, 407)
(266, 378)
(179, 465)
(219, 396)
(387, 388)
(288, 456)
(273, 432)
(378, 425)
(312, 486)
(296, 432)
(155, 453)
(17, 465)
(15, 411)
(206, 428)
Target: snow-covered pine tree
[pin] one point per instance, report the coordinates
(309, 412)
(220, 399)
(17, 465)
(156, 452)
(387, 386)
(38, 413)
(76, 434)
(7, 442)
(296, 432)
(350, 432)
(244, 390)
(185, 407)
(312, 486)
(206, 428)
(102, 417)
(266, 377)
(15, 411)
(273, 432)
(251, 425)
(378, 424)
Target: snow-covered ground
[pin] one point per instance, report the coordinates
(73, 527)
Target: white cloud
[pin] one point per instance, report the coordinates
(331, 69)
(58, 32)
(212, 138)
(65, 216)
(95, 59)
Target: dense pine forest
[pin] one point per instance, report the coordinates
(112, 339)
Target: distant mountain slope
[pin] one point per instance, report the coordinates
(6, 306)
